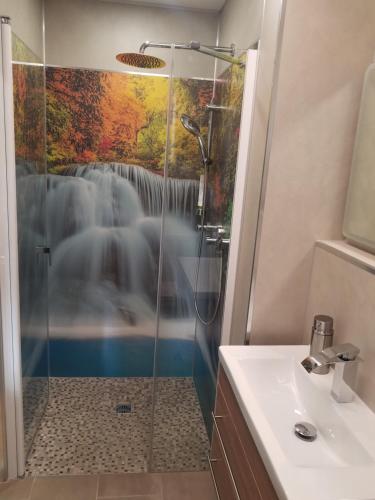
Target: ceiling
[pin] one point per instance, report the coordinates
(203, 5)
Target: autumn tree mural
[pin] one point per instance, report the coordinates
(74, 119)
(97, 116)
(29, 102)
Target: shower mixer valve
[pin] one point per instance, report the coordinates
(215, 234)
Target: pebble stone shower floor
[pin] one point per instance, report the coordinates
(81, 432)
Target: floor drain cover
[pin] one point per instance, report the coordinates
(124, 408)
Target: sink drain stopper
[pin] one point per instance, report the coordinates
(305, 431)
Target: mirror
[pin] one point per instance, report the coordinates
(359, 221)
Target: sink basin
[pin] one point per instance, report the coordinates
(275, 392)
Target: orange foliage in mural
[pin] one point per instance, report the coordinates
(95, 116)
(28, 88)
(123, 116)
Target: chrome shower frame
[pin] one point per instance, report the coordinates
(218, 51)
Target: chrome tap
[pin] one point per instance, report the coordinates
(344, 358)
(321, 338)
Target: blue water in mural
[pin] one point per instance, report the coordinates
(111, 357)
(104, 229)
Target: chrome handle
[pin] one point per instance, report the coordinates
(224, 241)
(43, 250)
(206, 227)
(211, 461)
(225, 456)
(340, 352)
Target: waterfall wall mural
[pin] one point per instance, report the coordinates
(107, 179)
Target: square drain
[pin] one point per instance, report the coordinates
(123, 408)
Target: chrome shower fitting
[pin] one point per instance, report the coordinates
(214, 51)
(191, 126)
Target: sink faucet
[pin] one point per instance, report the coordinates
(344, 357)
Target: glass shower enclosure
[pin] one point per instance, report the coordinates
(127, 233)
(31, 185)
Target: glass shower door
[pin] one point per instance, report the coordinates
(180, 441)
(194, 253)
(225, 121)
(29, 119)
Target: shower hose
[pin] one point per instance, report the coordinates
(217, 305)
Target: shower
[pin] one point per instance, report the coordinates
(192, 127)
(141, 60)
(133, 292)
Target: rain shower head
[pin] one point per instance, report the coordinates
(193, 128)
(140, 60)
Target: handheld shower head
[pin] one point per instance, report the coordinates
(190, 125)
(193, 128)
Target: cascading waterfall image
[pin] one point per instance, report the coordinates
(105, 226)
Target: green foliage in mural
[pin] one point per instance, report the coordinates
(225, 138)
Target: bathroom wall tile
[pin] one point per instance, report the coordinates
(326, 48)
(65, 488)
(112, 485)
(188, 486)
(347, 293)
(16, 490)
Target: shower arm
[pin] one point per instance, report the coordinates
(219, 52)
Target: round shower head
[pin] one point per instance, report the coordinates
(140, 60)
(190, 125)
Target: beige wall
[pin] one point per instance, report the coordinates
(240, 22)
(89, 33)
(246, 206)
(347, 293)
(27, 21)
(326, 49)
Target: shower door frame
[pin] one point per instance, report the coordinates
(239, 209)
(9, 284)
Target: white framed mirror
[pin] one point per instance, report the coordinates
(359, 220)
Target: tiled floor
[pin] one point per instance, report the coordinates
(180, 441)
(81, 433)
(168, 486)
(35, 398)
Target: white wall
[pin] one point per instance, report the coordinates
(240, 22)
(235, 320)
(89, 33)
(27, 21)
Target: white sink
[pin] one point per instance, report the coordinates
(275, 392)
